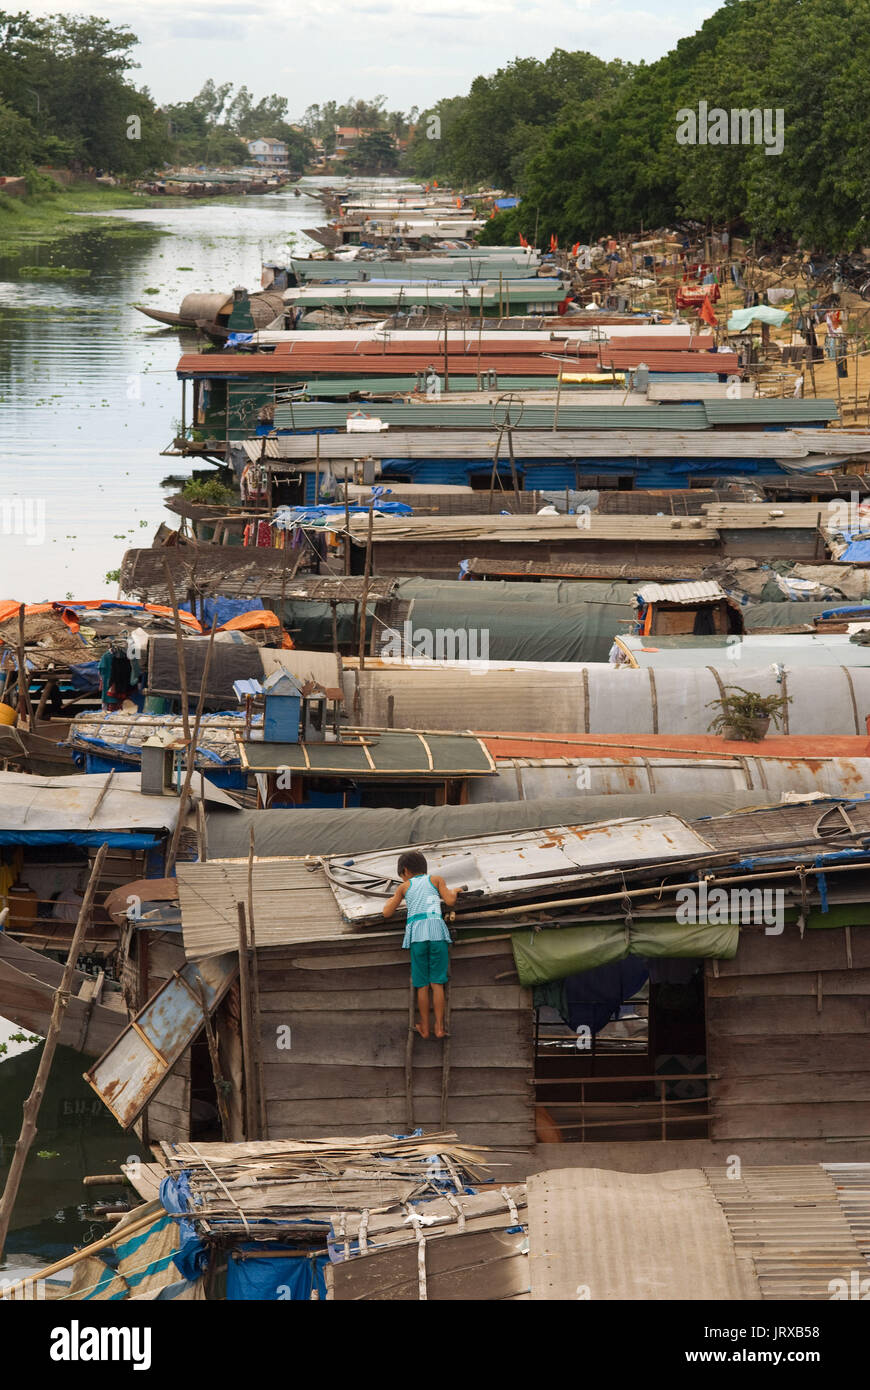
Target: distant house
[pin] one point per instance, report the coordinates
(346, 137)
(265, 151)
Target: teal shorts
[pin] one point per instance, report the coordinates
(429, 963)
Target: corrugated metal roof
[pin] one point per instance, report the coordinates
(632, 1236)
(601, 699)
(702, 591)
(763, 515)
(91, 802)
(209, 894)
(802, 1227)
(593, 526)
(444, 414)
(769, 410)
(470, 293)
(730, 654)
(641, 444)
(515, 865)
(720, 363)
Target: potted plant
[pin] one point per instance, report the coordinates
(745, 715)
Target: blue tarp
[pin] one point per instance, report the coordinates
(115, 839)
(287, 517)
(225, 608)
(502, 203)
(270, 1279)
(176, 1197)
(857, 552)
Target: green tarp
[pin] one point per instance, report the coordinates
(553, 954)
(300, 830)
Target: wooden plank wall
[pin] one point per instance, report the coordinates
(787, 1036)
(346, 1006)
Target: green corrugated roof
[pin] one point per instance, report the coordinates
(763, 410)
(441, 414)
(376, 754)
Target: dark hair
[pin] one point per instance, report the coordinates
(412, 861)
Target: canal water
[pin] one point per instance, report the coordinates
(88, 395)
(88, 399)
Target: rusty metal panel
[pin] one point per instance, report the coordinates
(130, 1073)
(496, 867)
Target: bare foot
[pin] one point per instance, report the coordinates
(418, 1028)
(441, 1032)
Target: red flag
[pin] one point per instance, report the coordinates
(492, 215)
(554, 245)
(707, 313)
(575, 248)
(523, 241)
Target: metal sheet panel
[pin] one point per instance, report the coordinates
(632, 1236)
(499, 867)
(134, 1068)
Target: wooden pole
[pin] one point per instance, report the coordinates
(247, 1022)
(191, 754)
(24, 706)
(346, 526)
(34, 1100)
(179, 638)
(255, 999)
(367, 574)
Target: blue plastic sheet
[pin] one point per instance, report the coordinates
(176, 1197)
(273, 1279)
(224, 608)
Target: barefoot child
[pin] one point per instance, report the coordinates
(426, 935)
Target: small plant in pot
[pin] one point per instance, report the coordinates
(745, 715)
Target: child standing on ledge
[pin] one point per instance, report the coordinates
(426, 934)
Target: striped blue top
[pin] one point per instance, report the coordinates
(425, 922)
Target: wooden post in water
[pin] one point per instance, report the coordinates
(34, 1100)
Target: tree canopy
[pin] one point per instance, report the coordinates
(592, 146)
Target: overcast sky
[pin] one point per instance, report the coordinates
(414, 51)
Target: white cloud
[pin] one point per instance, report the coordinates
(414, 50)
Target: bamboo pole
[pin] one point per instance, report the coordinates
(24, 707)
(135, 1228)
(34, 1100)
(247, 1023)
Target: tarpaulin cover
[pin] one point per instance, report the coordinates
(263, 1277)
(356, 830)
(225, 609)
(144, 1265)
(580, 632)
(115, 839)
(759, 313)
(790, 613)
(230, 661)
(554, 954)
(176, 1198)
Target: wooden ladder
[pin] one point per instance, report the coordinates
(409, 1059)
